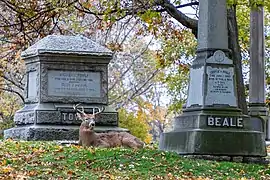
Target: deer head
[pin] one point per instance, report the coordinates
(87, 119)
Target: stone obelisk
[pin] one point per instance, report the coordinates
(212, 124)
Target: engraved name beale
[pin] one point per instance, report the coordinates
(221, 81)
(72, 83)
(225, 121)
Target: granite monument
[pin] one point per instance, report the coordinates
(212, 123)
(62, 71)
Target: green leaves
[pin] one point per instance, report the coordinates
(47, 160)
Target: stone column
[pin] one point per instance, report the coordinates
(211, 123)
(257, 107)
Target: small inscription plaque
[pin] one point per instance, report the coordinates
(195, 92)
(32, 84)
(220, 86)
(74, 83)
(225, 121)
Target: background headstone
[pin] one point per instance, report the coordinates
(62, 71)
(211, 123)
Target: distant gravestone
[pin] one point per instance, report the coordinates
(211, 123)
(61, 72)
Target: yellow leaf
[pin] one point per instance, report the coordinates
(111, 176)
(7, 169)
(4, 162)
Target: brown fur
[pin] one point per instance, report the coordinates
(87, 137)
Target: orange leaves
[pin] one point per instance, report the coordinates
(115, 47)
(86, 3)
(3, 163)
(70, 172)
(183, 67)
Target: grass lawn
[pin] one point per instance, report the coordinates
(48, 160)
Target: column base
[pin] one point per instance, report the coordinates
(259, 114)
(193, 135)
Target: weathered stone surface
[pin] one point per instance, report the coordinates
(213, 142)
(237, 159)
(255, 160)
(212, 26)
(195, 90)
(51, 132)
(209, 157)
(257, 106)
(60, 44)
(24, 118)
(193, 135)
(257, 56)
(53, 114)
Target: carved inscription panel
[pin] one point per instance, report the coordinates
(32, 84)
(74, 83)
(220, 86)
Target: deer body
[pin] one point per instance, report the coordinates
(88, 137)
(110, 139)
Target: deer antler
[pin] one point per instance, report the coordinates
(76, 108)
(99, 110)
(82, 115)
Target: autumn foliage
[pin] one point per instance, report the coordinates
(48, 160)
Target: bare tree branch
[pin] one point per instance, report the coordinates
(130, 66)
(138, 91)
(13, 91)
(13, 82)
(179, 16)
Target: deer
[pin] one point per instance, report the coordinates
(88, 137)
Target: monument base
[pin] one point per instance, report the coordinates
(214, 132)
(51, 132)
(260, 112)
(52, 121)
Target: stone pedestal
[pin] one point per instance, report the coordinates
(211, 123)
(61, 72)
(214, 132)
(259, 117)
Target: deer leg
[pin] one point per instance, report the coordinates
(103, 144)
(129, 142)
(80, 142)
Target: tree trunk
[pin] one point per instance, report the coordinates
(236, 57)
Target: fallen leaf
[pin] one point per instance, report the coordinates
(7, 169)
